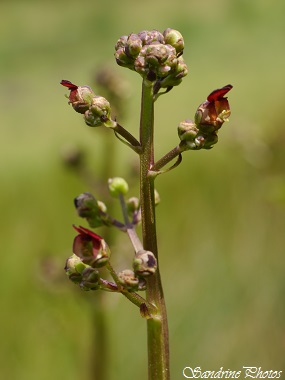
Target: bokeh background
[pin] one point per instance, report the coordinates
(221, 218)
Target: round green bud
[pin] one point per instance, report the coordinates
(117, 186)
(174, 38)
(100, 107)
(187, 130)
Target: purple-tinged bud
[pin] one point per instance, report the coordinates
(133, 46)
(149, 36)
(123, 59)
(80, 97)
(128, 280)
(176, 75)
(90, 279)
(121, 43)
(91, 248)
(145, 263)
(117, 186)
(211, 114)
(88, 207)
(174, 38)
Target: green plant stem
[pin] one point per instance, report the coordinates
(170, 156)
(157, 327)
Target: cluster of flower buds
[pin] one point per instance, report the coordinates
(96, 109)
(83, 275)
(92, 210)
(154, 55)
(209, 117)
(144, 265)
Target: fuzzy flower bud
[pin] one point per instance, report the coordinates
(117, 186)
(88, 207)
(90, 248)
(144, 263)
(80, 97)
(128, 280)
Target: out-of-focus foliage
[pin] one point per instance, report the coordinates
(221, 219)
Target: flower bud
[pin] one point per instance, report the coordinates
(117, 186)
(90, 279)
(74, 268)
(88, 207)
(174, 38)
(121, 43)
(149, 36)
(99, 112)
(144, 263)
(133, 45)
(80, 97)
(176, 75)
(211, 114)
(91, 248)
(123, 59)
(133, 205)
(128, 280)
(187, 130)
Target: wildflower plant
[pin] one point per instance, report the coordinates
(157, 58)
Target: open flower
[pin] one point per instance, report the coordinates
(211, 114)
(80, 97)
(91, 248)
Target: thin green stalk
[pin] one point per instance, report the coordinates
(157, 327)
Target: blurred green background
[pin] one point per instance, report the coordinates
(221, 219)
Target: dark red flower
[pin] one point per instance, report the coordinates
(80, 96)
(73, 90)
(211, 114)
(90, 247)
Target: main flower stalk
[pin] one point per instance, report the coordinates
(157, 326)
